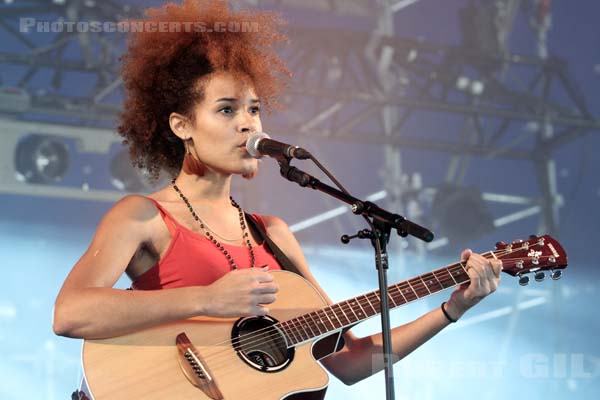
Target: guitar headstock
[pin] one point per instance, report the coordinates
(536, 255)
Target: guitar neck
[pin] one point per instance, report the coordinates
(350, 312)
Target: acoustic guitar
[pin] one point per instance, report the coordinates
(275, 356)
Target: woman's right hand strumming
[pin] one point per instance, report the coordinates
(240, 293)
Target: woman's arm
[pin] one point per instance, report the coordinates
(362, 357)
(88, 307)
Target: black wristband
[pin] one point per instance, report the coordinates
(448, 317)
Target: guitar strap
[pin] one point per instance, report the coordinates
(260, 233)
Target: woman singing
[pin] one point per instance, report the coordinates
(193, 97)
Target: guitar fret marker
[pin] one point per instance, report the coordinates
(302, 327)
(353, 304)
(311, 325)
(336, 317)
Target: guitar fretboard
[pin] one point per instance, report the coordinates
(357, 309)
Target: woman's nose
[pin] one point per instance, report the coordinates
(249, 124)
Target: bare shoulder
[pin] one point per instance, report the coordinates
(134, 207)
(132, 214)
(273, 223)
(279, 231)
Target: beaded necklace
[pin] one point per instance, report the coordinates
(211, 237)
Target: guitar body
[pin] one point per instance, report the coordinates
(146, 364)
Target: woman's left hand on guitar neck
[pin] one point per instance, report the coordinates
(485, 277)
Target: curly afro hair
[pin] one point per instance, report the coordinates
(162, 66)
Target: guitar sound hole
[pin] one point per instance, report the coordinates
(260, 344)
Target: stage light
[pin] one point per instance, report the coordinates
(41, 159)
(412, 55)
(461, 214)
(462, 82)
(477, 88)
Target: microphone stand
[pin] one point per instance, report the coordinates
(381, 225)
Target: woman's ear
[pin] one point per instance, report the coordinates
(180, 125)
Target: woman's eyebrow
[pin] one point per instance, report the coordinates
(234, 100)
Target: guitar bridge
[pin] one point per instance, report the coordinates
(194, 369)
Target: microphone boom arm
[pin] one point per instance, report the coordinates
(403, 226)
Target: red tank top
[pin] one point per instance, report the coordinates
(193, 260)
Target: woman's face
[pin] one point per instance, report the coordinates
(228, 115)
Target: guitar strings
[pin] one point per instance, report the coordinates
(216, 356)
(263, 335)
(325, 309)
(256, 336)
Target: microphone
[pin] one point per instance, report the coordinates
(260, 144)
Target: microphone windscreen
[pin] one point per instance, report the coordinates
(252, 144)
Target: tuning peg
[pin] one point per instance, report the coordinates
(556, 274)
(518, 241)
(524, 280)
(500, 244)
(540, 276)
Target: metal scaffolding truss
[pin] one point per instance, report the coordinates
(362, 8)
(48, 52)
(331, 66)
(361, 86)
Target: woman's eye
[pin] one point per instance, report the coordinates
(226, 110)
(255, 110)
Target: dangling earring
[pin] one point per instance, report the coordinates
(191, 165)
